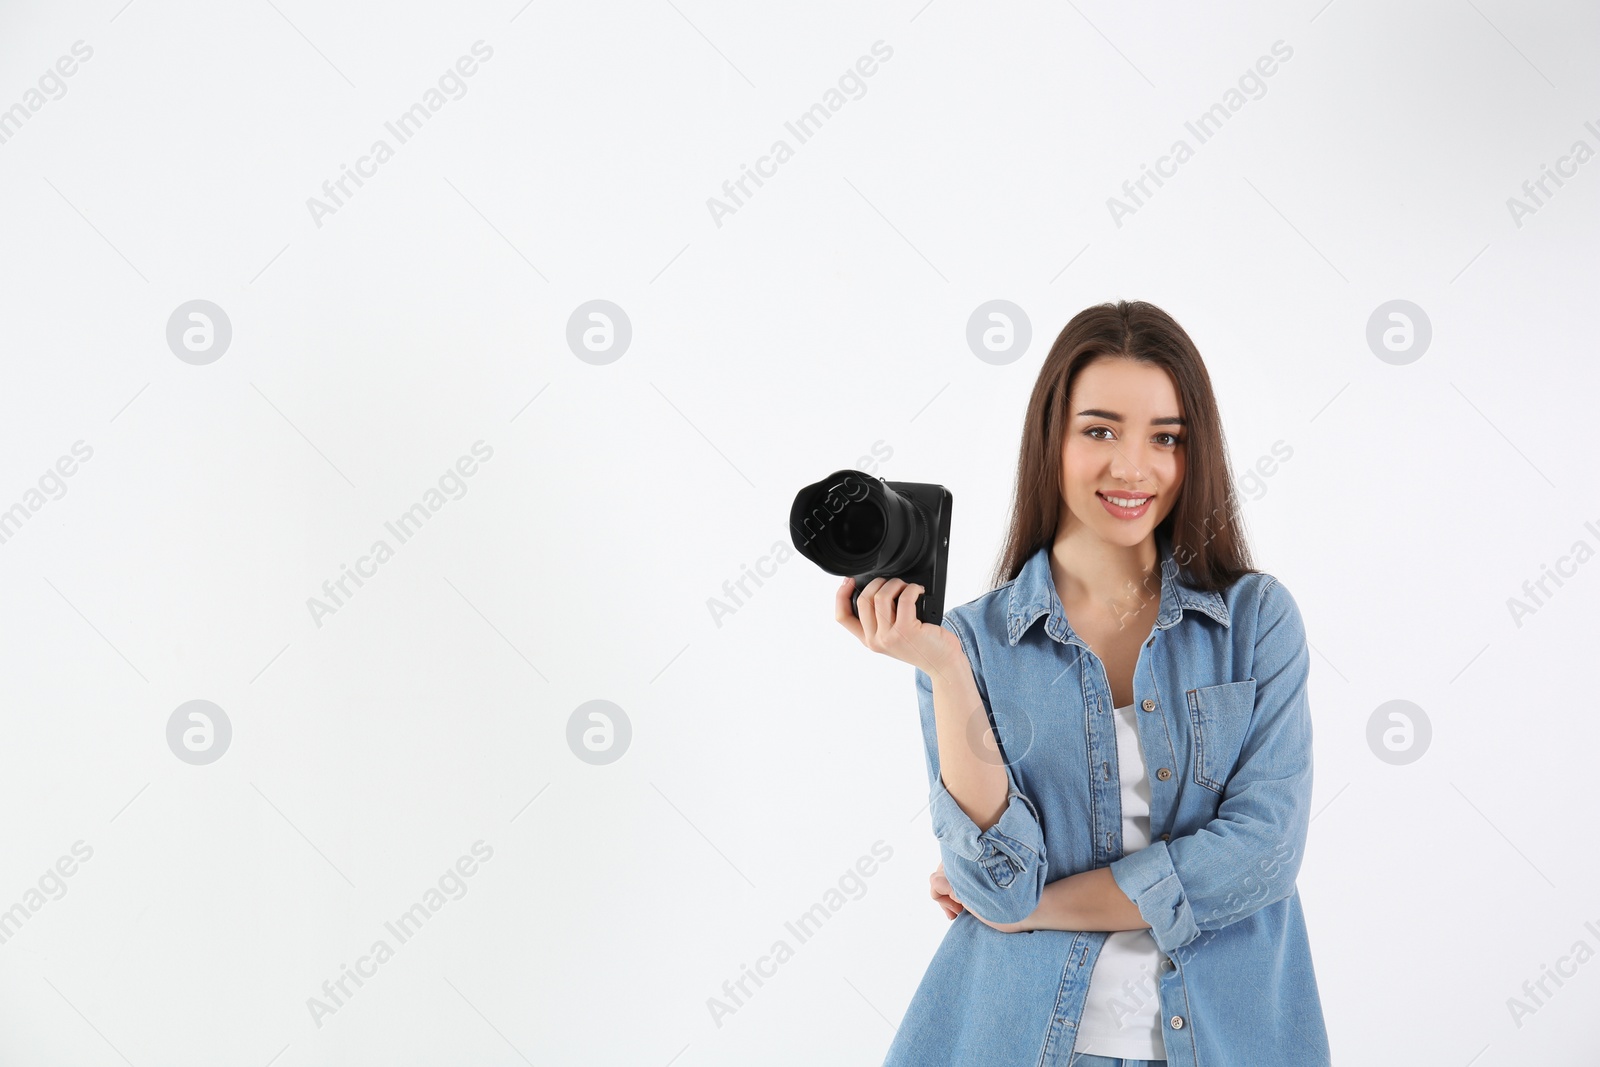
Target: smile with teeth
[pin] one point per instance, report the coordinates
(1123, 507)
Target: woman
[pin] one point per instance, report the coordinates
(1118, 742)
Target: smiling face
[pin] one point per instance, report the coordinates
(1124, 442)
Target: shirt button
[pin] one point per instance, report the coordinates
(1177, 1022)
(1163, 774)
(1166, 963)
(1148, 705)
(1166, 837)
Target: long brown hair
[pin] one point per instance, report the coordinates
(1203, 528)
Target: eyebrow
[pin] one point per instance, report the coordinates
(1099, 413)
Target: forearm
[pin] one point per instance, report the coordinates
(969, 760)
(1089, 900)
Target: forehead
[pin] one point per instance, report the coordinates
(1127, 387)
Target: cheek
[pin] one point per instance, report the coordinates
(1077, 466)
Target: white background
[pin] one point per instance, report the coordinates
(828, 312)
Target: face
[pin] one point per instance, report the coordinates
(1124, 440)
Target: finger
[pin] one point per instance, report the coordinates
(905, 610)
(841, 608)
(883, 602)
(866, 603)
(885, 596)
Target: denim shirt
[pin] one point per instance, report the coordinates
(1225, 727)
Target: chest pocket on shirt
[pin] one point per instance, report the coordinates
(1220, 716)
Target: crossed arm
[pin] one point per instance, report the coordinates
(1088, 900)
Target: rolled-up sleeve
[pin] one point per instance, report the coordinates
(1248, 856)
(997, 873)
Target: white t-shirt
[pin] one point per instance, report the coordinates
(1121, 1017)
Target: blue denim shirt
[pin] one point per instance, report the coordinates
(1225, 728)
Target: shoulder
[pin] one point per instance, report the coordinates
(1262, 610)
(1257, 592)
(983, 619)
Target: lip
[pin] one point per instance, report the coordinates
(1126, 513)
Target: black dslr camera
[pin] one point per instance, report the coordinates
(853, 523)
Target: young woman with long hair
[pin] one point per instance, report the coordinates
(1118, 739)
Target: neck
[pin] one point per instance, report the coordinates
(1089, 570)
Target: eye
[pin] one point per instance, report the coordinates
(1176, 440)
(1090, 432)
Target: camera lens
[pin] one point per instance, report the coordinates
(852, 523)
(858, 530)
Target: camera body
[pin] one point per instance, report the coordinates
(856, 524)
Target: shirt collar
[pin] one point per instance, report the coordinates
(1034, 594)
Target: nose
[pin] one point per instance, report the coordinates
(1128, 463)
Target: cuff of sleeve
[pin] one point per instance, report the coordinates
(1148, 879)
(1008, 848)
